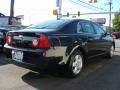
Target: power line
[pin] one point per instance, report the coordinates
(91, 5)
(90, 13)
(82, 5)
(115, 0)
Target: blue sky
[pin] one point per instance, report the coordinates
(40, 10)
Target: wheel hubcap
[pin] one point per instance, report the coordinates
(112, 51)
(77, 64)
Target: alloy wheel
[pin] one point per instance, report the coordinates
(77, 64)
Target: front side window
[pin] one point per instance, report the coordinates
(87, 27)
(98, 29)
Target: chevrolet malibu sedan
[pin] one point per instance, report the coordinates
(65, 42)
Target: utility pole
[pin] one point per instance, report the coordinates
(110, 14)
(12, 8)
(59, 13)
(59, 6)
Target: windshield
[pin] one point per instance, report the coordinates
(52, 24)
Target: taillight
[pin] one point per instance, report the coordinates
(8, 39)
(41, 42)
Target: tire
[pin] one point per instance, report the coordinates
(75, 64)
(111, 52)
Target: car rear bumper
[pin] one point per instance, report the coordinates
(35, 58)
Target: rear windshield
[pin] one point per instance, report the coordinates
(52, 24)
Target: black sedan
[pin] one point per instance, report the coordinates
(65, 42)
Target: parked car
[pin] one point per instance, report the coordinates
(116, 35)
(9, 21)
(66, 42)
(2, 38)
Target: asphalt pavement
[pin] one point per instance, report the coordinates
(97, 74)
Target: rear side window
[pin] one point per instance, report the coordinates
(70, 27)
(87, 27)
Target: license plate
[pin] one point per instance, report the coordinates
(17, 55)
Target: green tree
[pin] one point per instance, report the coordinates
(116, 21)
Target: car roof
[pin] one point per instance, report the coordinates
(69, 20)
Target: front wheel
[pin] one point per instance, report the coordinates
(111, 52)
(75, 64)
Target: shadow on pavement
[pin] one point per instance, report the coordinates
(53, 79)
(2, 61)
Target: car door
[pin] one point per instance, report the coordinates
(104, 43)
(91, 39)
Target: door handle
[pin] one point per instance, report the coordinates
(90, 39)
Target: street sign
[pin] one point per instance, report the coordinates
(99, 20)
(55, 12)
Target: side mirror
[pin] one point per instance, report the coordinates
(107, 33)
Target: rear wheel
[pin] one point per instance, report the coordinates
(75, 64)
